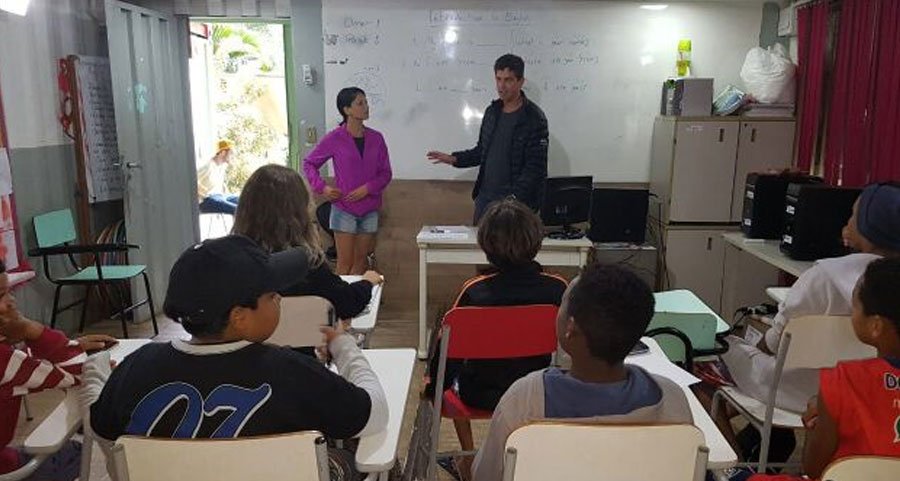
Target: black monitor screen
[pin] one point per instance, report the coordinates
(567, 200)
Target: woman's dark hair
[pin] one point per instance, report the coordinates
(2, 267)
(345, 99)
(510, 234)
(877, 290)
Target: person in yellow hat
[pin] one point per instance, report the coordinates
(211, 182)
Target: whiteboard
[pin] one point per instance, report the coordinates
(105, 178)
(594, 67)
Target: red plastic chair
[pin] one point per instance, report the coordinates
(500, 332)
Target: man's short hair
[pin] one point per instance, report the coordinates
(510, 234)
(511, 62)
(612, 306)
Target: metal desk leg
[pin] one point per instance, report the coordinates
(423, 302)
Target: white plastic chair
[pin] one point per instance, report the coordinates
(285, 457)
(301, 318)
(808, 342)
(588, 452)
(863, 468)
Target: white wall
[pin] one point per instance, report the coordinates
(29, 49)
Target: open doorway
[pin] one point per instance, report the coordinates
(241, 99)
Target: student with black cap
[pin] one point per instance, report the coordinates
(223, 382)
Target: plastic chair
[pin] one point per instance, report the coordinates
(299, 456)
(55, 232)
(485, 333)
(301, 318)
(863, 468)
(580, 452)
(808, 342)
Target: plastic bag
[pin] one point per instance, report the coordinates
(768, 75)
(729, 101)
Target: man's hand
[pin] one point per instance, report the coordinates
(440, 158)
(96, 342)
(332, 193)
(357, 194)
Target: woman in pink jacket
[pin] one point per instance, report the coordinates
(362, 170)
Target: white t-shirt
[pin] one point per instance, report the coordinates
(211, 179)
(825, 289)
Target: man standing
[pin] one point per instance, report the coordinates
(512, 145)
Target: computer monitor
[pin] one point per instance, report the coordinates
(567, 201)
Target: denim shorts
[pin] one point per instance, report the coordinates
(341, 221)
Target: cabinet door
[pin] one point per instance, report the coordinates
(762, 145)
(744, 281)
(694, 261)
(703, 171)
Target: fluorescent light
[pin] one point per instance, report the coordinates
(655, 6)
(450, 36)
(18, 7)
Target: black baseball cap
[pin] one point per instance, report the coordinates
(212, 277)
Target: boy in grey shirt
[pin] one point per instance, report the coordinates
(603, 314)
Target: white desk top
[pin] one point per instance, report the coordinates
(62, 422)
(777, 294)
(467, 236)
(394, 368)
(365, 321)
(721, 455)
(18, 278)
(768, 251)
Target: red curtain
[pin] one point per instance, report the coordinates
(812, 30)
(885, 160)
(848, 139)
(864, 118)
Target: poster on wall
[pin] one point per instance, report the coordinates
(10, 246)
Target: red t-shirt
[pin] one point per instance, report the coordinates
(863, 398)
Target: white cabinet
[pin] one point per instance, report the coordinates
(762, 145)
(699, 166)
(694, 258)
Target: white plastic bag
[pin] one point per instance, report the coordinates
(768, 75)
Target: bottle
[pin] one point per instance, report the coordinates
(683, 61)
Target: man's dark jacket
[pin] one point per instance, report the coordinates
(528, 152)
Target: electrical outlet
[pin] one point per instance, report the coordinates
(307, 72)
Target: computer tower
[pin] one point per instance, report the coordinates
(764, 201)
(619, 215)
(815, 214)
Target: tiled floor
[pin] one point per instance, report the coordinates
(388, 334)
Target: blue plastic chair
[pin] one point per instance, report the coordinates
(55, 234)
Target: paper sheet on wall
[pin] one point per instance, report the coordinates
(105, 178)
(8, 247)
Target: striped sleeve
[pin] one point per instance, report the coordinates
(52, 361)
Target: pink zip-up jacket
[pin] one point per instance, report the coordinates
(350, 169)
